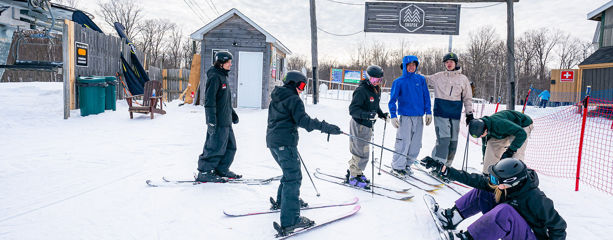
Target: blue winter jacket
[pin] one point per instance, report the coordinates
(411, 92)
(545, 95)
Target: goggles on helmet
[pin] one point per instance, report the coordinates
(375, 80)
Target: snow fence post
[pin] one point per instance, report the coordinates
(585, 103)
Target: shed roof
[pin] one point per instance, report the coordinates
(602, 55)
(597, 14)
(198, 34)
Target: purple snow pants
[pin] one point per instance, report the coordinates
(499, 221)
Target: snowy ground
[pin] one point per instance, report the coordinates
(84, 178)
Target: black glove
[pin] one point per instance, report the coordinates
(429, 162)
(508, 153)
(330, 128)
(234, 117)
(468, 118)
(369, 115)
(384, 116)
(210, 128)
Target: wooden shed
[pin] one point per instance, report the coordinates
(259, 58)
(597, 70)
(564, 86)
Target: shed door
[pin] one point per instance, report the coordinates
(250, 65)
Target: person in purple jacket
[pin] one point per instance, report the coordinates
(411, 92)
(512, 204)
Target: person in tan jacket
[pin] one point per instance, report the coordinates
(451, 91)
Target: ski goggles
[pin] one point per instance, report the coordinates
(375, 80)
(301, 86)
(509, 182)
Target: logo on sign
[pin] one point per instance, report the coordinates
(372, 99)
(82, 50)
(412, 18)
(567, 76)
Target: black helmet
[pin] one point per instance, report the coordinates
(294, 77)
(222, 57)
(374, 71)
(476, 127)
(510, 171)
(451, 56)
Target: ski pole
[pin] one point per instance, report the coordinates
(382, 144)
(372, 162)
(465, 160)
(307, 170)
(376, 145)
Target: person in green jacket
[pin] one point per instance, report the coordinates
(503, 134)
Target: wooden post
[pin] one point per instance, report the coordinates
(68, 67)
(510, 56)
(314, 51)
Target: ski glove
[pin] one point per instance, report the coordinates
(369, 115)
(508, 153)
(395, 122)
(234, 117)
(384, 116)
(330, 128)
(436, 166)
(469, 117)
(428, 119)
(210, 128)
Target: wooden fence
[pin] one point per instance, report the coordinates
(174, 81)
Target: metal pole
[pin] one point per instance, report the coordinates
(450, 43)
(382, 144)
(309, 174)
(510, 56)
(374, 144)
(314, 51)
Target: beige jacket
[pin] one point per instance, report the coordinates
(451, 90)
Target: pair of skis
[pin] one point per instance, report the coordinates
(248, 181)
(318, 223)
(396, 194)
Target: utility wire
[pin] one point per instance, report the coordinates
(495, 4)
(346, 3)
(194, 11)
(213, 6)
(201, 10)
(340, 35)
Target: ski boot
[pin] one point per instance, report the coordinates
(229, 174)
(359, 181)
(276, 205)
(209, 176)
(302, 222)
(400, 172)
(450, 218)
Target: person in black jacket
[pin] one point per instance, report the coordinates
(220, 144)
(285, 114)
(513, 206)
(364, 108)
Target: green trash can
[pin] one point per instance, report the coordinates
(91, 94)
(110, 102)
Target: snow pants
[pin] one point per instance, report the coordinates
(288, 192)
(359, 149)
(447, 130)
(218, 151)
(494, 149)
(408, 141)
(499, 221)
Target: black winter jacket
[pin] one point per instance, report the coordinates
(528, 200)
(218, 98)
(285, 114)
(365, 100)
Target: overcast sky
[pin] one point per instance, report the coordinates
(288, 21)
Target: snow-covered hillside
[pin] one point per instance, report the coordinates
(84, 177)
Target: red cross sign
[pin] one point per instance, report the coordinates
(567, 76)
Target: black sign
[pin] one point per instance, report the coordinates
(82, 50)
(394, 17)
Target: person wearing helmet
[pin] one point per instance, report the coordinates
(411, 93)
(364, 109)
(513, 206)
(503, 135)
(285, 114)
(220, 144)
(451, 90)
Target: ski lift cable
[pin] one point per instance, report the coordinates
(340, 35)
(346, 3)
(201, 10)
(495, 4)
(194, 11)
(212, 5)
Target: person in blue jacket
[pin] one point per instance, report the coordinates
(544, 96)
(411, 92)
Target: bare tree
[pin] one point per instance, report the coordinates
(175, 47)
(480, 51)
(542, 42)
(569, 51)
(153, 34)
(126, 12)
(188, 53)
(69, 3)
